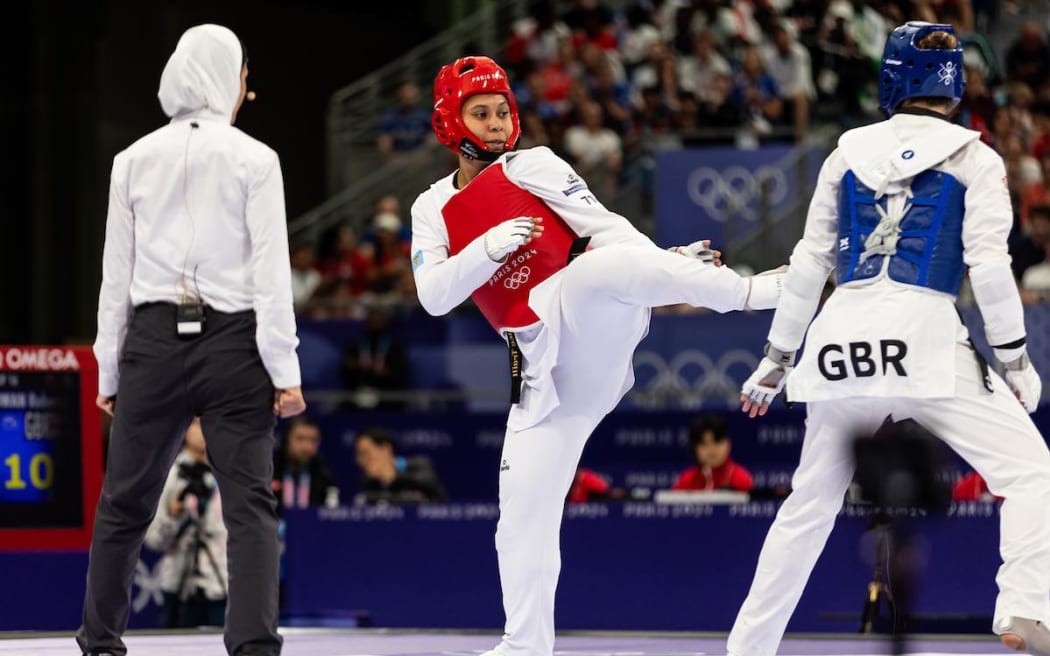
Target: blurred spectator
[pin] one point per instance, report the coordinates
(590, 486)
(407, 126)
(850, 48)
(613, 94)
(1035, 283)
(300, 477)
(977, 109)
(345, 270)
(1035, 194)
(391, 255)
(595, 150)
(536, 38)
(758, 95)
(305, 277)
(978, 52)
(189, 530)
(639, 36)
(1022, 170)
(555, 82)
(658, 70)
(590, 22)
(658, 125)
(698, 71)
(714, 469)
(1041, 128)
(972, 488)
(389, 478)
(388, 205)
(717, 107)
(1028, 58)
(867, 29)
(375, 364)
(787, 62)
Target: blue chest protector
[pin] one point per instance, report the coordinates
(929, 250)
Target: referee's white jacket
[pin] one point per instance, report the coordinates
(197, 207)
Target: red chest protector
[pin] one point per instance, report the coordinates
(491, 199)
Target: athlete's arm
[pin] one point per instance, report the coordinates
(551, 179)
(986, 226)
(811, 261)
(443, 282)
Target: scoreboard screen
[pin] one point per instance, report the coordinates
(50, 447)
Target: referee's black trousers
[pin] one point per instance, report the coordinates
(164, 383)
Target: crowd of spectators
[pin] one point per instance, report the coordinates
(607, 89)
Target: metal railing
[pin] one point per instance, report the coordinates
(357, 175)
(354, 112)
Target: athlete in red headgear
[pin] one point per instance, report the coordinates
(569, 285)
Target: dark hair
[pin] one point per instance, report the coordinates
(301, 420)
(714, 424)
(1039, 211)
(380, 436)
(244, 53)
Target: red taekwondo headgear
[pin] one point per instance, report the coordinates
(455, 82)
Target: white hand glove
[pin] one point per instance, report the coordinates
(767, 380)
(507, 237)
(1024, 381)
(699, 250)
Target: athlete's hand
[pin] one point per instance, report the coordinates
(700, 250)
(1024, 381)
(105, 404)
(288, 402)
(766, 382)
(509, 236)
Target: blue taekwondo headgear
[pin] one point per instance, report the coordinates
(909, 71)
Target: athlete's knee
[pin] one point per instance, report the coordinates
(810, 506)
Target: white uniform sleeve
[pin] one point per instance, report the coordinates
(443, 282)
(118, 261)
(271, 276)
(987, 223)
(811, 261)
(551, 179)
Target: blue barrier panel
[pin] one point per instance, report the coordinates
(716, 193)
(625, 566)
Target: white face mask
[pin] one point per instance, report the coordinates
(203, 74)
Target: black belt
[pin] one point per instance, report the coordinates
(579, 245)
(982, 364)
(515, 367)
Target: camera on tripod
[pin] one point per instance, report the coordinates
(193, 473)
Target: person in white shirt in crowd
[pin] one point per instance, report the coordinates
(188, 530)
(787, 62)
(195, 319)
(595, 149)
(639, 36)
(569, 285)
(698, 72)
(305, 276)
(902, 210)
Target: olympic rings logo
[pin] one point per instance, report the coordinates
(518, 278)
(690, 377)
(736, 190)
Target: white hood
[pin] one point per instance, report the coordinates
(203, 74)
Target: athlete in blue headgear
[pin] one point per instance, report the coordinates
(902, 209)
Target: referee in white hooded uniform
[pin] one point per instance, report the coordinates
(194, 319)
